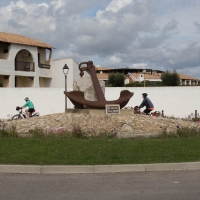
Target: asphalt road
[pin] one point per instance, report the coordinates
(173, 185)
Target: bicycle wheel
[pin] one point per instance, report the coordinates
(16, 117)
(35, 115)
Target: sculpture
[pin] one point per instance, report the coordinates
(77, 97)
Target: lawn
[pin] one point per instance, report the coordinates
(73, 151)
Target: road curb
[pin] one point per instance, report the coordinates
(93, 169)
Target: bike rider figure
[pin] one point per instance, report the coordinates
(146, 102)
(30, 106)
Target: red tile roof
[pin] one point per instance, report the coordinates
(182, 76)
(20, 39)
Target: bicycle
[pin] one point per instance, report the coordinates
(22, 114)
(150, 114)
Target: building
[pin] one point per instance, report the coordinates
(25, 62)
(133, 74)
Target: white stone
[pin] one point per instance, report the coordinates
(126, 131)
(85, 85)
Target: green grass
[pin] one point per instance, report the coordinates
(72, 151)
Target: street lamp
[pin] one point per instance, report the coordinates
(144, 71)
(65, 72)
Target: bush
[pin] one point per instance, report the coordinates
(116, 80)
(170, 78)
(180, 132)
(1, 84)
(9, 133)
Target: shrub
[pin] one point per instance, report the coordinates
(187, 132)
(180, 132)
(77, 132)
(116, 80)
(170, 78)
(9, 133)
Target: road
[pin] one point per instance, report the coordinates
(175, 185)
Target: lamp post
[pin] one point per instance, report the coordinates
(144, 71)
(65, 72)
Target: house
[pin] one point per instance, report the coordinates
(188, 80)
(133, 74)
(26, 62)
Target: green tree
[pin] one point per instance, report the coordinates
(116, 80)
(170, 78)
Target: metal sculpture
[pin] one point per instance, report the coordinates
(77, 97)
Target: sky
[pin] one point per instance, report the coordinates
(148, 34)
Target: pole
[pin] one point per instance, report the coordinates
(65, 91)
(195, 113)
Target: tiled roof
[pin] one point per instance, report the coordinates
(103, 68)
(20, 39)
(182, 76)
(147, 76)
(151, 76)
(102, 76)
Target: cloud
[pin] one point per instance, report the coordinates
(139, 65)
(113, 33)
(114, 59)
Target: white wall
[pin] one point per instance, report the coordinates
(176, 101)
(58, 78)
(46, 100)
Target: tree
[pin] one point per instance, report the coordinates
(116, 80)
(170, 78)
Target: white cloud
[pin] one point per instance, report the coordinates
(114, 59)
(139, 65)
(57, 4)
(116, 5)
(139, 33)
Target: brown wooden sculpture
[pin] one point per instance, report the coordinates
(77, 97)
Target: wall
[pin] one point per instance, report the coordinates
(175, 101)
(46, 100)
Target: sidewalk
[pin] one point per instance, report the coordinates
(92, 169)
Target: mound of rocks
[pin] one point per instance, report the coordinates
(123, 126)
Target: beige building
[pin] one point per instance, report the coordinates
(132, 75)
(26, 62)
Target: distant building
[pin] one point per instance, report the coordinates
(132, 75)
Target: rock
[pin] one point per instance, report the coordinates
(126, 131)
(85, 85)
(123, 126)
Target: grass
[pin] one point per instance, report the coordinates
(73, 151)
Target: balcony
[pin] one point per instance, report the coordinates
(25, 66)
(44, 66)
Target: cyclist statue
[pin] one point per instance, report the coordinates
(30, 106)
(146, 102)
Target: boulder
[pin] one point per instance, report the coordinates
(85, 85)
